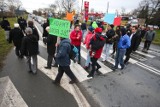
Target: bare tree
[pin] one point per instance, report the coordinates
(92, 10)
(123, 11)
(66, 5)
(3, 6)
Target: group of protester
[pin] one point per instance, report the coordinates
(97, 40)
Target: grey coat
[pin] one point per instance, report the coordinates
(149, 36)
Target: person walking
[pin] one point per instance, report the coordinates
(16, 35)
(51, 41)
(76, 37)
(107, 47)
(34, 30)
(143, 32)
(22, 23)
(96, 47)
(63, 60)
(6, 26)
(149, 37)
(30, 49)
(116, 39)
(123, 43)
(134, 37)
(87, 43)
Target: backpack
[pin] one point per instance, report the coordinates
(97, 44)
(73, 54)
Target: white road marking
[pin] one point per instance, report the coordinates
(73, 89)
(147, 55)
(10, 97)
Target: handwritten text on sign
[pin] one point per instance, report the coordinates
(59, 27)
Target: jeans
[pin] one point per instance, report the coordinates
(79, 52)
(88, 58)
(34, 58)
(94, 66)
(107, 48)
(83, 32)
(67, 70)
(119, 57)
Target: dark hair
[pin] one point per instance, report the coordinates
(112, 26)
(30, 23)
(135, 27)
(77, 25)
(123, 31)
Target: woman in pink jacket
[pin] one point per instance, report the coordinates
(87, 42)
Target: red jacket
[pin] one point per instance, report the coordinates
(88, 39)
(74, 40)
(99, 51)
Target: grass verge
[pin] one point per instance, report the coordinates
(157, 38)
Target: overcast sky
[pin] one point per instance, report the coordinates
(98, 5)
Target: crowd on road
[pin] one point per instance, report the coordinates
(123, 40)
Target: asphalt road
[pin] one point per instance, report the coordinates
(136, 86)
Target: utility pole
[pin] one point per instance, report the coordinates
(107, 6)
(81, 6)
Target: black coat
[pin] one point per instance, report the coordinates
(5, 25)
(134, 42)
(29, 45)
(16, 36)
(51, 41)
(45, 33)
(109, 35)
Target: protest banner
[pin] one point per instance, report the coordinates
(109, 18)
(60, 28)
(69, 16)
(117, 21)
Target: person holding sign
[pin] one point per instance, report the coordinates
(76, 37)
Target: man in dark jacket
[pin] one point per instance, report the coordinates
(30, 49)
(51, 48)
(134, 43)
(109, 40)
(22, 23)
(63, 60)
(16, 36)
(83, 28)
(6, 26)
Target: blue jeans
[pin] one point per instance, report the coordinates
(88, 59)
(119, 57)
(79, 52)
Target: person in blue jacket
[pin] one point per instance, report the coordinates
(123, 44)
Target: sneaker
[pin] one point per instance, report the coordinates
(90, 75)
(47, 67)
(98, 68)
(55, 65)
(72, 82)
(114, 68)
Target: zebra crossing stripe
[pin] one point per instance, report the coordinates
(9, 95)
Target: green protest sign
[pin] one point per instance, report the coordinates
(59, 27)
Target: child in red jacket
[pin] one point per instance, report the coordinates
(87, 43)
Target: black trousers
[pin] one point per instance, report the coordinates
(147, 44)
(17, 51)
(67, 70)
(49, 60)
(128, 53)
(94, 65)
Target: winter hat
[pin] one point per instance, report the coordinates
(98, 30)
(47, 28)
(16, 25)
(90, 28)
